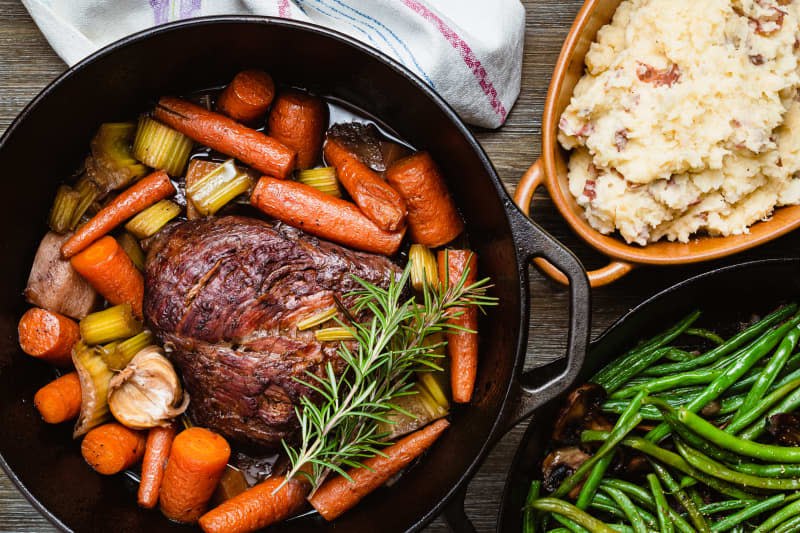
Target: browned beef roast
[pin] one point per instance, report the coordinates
(225, 295)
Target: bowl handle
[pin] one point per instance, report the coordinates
(538, 386)
(532, 180)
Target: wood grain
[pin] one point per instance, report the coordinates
(28, 64)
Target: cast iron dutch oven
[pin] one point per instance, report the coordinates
(48, 140)
(725, 295)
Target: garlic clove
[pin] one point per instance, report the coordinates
(147, 393)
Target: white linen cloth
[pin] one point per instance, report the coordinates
(469, 51)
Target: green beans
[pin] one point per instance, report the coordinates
(678, 355)
(788, 404)
(528, 523)
(636, 366)
(727, 347)
(662, 507)
(755, 352)
(694, 514)
(748, 512)
(625, 360)
(593, 481)
(705, 334)
(562, 508)
(696, 377)
(787, 512)
(718, 470)
(629, 420)
(573, 526)
(763, 406)
(765, 452)
(673, 460)
(628, 508)
(721, 507)
(771, 470)
(769, 373)
(790, 526)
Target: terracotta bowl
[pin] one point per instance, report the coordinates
(551, 170)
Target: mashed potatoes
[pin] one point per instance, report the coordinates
(687, 118)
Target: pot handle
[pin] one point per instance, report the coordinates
(540, 385)
(532, 180)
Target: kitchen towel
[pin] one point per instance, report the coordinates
(469, 51)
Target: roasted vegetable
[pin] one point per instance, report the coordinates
(109, 325)
(118, 354)
(323, 179)
(147, 393)
(152, 219)
(130, 244)
(89, 193)
(112, 165)
(420, 409)
(220, 186)
(111, 448)
(94, 376)
(63, 210)
(424, 270)
(317, 319)
(161, 147)
(333, 334)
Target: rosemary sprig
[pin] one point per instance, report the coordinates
(341, 430)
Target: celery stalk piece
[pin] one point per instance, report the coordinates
(159, 146)
(109, 325)
(322, 179)
(152, 219)
(63, 209)
(217, 188)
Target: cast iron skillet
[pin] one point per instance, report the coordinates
(724, 295)
(48, 140)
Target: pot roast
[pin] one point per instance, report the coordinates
(224, 296)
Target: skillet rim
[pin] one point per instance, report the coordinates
(496, 428)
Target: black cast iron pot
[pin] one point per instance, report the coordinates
(48, 140)
(725, 295)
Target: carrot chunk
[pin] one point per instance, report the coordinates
(248, 96)
(59, 400)
(112, 273)
(156, 452)
(461, 345)
(257, 507)
(111, 448)
(135, 198)
(338, 495)
(323, 215)
(432, 216)
(48, 335)
(376, 198)
(216, 131)
(195, 465)
(298, 120)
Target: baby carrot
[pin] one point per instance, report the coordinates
(257, 507)
(135, 198)
(461, 345)
(248, 96)
(298, 120)
(338, 495)
(376, 198)
(216, 131)
(48, 335)
(112, 273)
(156, 452)
(195, 465)
(59, 400)
(323, 215)
(111, 448)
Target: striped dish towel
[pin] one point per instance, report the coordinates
(469, 51)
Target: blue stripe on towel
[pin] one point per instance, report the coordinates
(299, 2)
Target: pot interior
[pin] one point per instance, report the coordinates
(725, 297)
(52, 136)
(569, 70)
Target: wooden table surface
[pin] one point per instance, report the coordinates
(27, 64)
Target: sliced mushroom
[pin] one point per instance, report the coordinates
(560, 464)
(582, 405)
(147, 393)
(786, 428)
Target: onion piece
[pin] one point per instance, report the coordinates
(95, 377)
